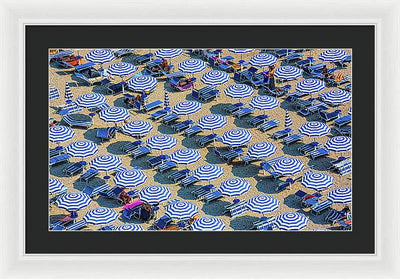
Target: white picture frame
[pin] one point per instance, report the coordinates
(14, 263)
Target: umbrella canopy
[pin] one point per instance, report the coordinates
(212, 121)
(208, 172)
(100, 56)
(121, 69)
(114, 114)
(73, 201)
(239, 91)
(263, 60)
(288, 166)
(215, 78)
(263, 204)
(181, 210)
(349, 111)
(314, 129)
(291, 221)
(137, 128)
(154, 194)
(234, 187)
(261, 150)
(338, 144)
(317, 180)
(185, 156)
(187, 107)
(68, 93)
(340, 195)
(130, 178)
(129, 227)
(53, 93)
(208, 223)
(310, 86)
(264, 102)
(336, 97)
(236, 137)
(90, 100)
(82, 148)
(288, 72)
(100, 216)
(168, 53)
(106, 162)
(166, 99)
(161, 142)
(288, 120)
(60, 133)
(55, 186)
(192, 66)
(332, 55)
(142, 83)
(241, 50)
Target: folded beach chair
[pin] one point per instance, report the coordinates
(344, 120)
(192, 131)
(282, 133)
(202, 191)
(141, 59)
(203, 141)
(179, 175)
(213, 196)
(309, 147)
(329, 116)
(270, 124)
(89, 174)
(247, 159)
(233, 107)
(76, 226)
(189, 180)
(292, 138)
(73, 122)
(320, 152)
(257, 120)
(346, 169)
(152, 105)
(170, 118)
(140, 151)
(344, 131)
(160, 113)
(162, 223)
(335, 216)
(168, 165)
(94, 191)
(129, 147)
(57, 151)
(75, 168)
(320, 207)
(178, 127)
(236, 208)
(63, 158)
(106, 133)
(153, 162)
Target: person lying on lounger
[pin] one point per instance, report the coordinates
(184, 82)
(124, 197)
(164, 65)
(325, 72)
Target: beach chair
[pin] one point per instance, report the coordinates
(113, 193)
(344, 131)
(320, 207)
(89, 174)
(238, 207)
(213, 196)
(301, 104)
(320, 152)
(243, 112)
(153, 162)
(141, 59)
(346, 169)
(123, 52)
(129, 147)
(277, 91)
(178, 127)
(335, 83)
(284, 185)
(312, 109)
(309, 147)
(341, 161)
(179, 175)
(170, 118)
(335, 216)
(76, 226)
(140, 151)
(229, 155)
(59, 150)
(75, 168)
(329, 116)
(63, 158)
(72, 121)
(233, 107)
(69, 108)
(192, 131)
(94, 191)
(152, 105)
(162, 223)
(264, 224)
(106, 133)
(282, 133)
(247, 159)
(310, 200)
(107, 228)
(292, 58)
(345, 225)
(88, 74)
(257, 120)
(270, 124)
(341, 121)
(61, 223)
(209, 95)
(203, 141)
(202, 191)
(292, 138)
(300, 194)
(189, 180)
(160, 113)
(117, 88)
(168, 165)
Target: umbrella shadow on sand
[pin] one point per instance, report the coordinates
(321, 164)
(267, 185)
(245, 171)
(316, 219)
(219, 109)
(211, 158)
(162, 178)
(241, 123)
(105, 202)
(90, 135)
(243, 223)
(190, 143)
(141, 162)
(292, 149)
(100, 89)
(58, 170)
(164, 129)
(186, 193)
(292, 201)
(119, 102)
(215, 208)
(115, 147)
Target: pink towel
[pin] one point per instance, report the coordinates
(133, 204)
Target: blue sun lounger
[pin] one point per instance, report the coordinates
(213, 196)
(94, 191)
(247, 159)
(233, 107)
(140, 151)
(301, 104)
(202, 191)
(344, 131)
(179, 175)
(178, 127)
(70, 121)
(203, 141)
(187, 181)
(270, 124)
(123, 52)
(141, 59)
(320, 152)
(162, 223)
(106, 133)
(113, 193)
(309, 147)
(152, 105)
(75, 168)
(282, 133)
(153, 162)
(129, 147)
(320, 207)
(264, 224)
(292, 139)
(170, 118)
(238, 207)
(243, 112)
(63, 158)
(57, 151)
(329, 116)
(310, 200)
(229, 155)
(160, 113)
(69, 109)
(284, 185)
(258, 120)
(344, 120)
(76, 226)
(89, 174)
(116, 88)
(168, 165)
(335, 216)
(192, 131)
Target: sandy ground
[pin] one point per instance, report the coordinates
(253, 173)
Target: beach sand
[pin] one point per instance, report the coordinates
(253, 173)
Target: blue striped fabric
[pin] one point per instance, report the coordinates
(185, 156)
(339, 144)
(215, 78)
(236, 137)
(90, 100)
(106, 162)
(288, 72)
(241, 50)
(60, 133)
(55, 186)
(208, 223)
(186, 107)
(212, 121)
(261, 150)
(336, 97)
(263, 60)
(239, 91)
(161, 142)
(333, 55)
(137, 128)
(130, 178)
(310, 86)
(291, 221)
(317, 180)
(166, 99)
(53, 93)
(263, 204)
(142, 83)
(100, 56)
(73, 201)
(168, 52)
(234, 187)
(208, 172)
(121, 69)
(114, 114)
(288, 166)
(264, 102)
(129, 227)
(192, 66)
(82, 148)
(288, 120)
(181, 210)
(340, 195)
(154, 194)
(100, 216)
(314, 129)
(68, 93)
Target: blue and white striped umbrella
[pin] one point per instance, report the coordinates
(236, 137)
(181, 210)
(261, 150)
(314, 129)
(129, 227)
(234, 187)
(154, 194)
(137, 128)
(73, 201)
(60, 133)
(100, 56)
(208, 223)
(208, 172)
(142, 83)
(187, 107)
(161, 142)
(317, 180)
(121, 69)
(185, 156)
(53, 93)
(310, 86)
(288, 166)
(263, 204)
(215, 78)
(340, 195)
(55, 186)
(192, 66)
(130, 178)
(90, 100)
(239, 91)
(349, 111)
(168, 53)
(291, 221)
(241, 50)
(332, 55)
(338, 144)
(336, 97)
(264, 102)
(288, 120)
(212, 121)
(68, 93)
(166, 99)
(100, 216)
(106, 162)
(82, 148)
(288, 72)
(263, 60)
(114, 114)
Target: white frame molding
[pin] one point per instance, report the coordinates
(385, 15)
